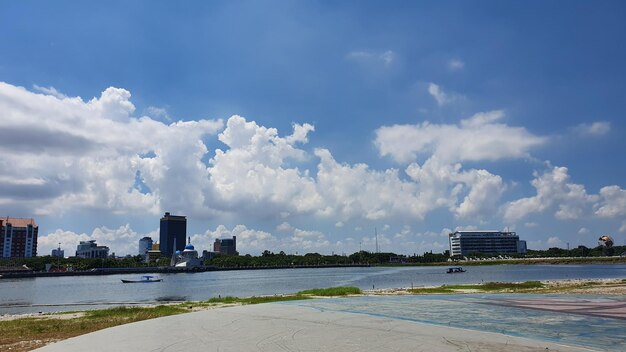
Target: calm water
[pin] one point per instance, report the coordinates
(87, 292)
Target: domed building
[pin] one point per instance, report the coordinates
(188, 258)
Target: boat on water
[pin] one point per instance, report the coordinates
(145, 278)
(455, 270)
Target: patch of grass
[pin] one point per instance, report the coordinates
(16, 334)
(253, 299)
(486, 287)
(332, 291)
(431, 290)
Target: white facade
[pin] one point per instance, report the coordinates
(463, 243)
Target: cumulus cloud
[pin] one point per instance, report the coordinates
(86, 154)
(595, 129)
(477, 138)
(554, 192)
(612, 203)
(584, 231)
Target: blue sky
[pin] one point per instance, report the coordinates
(414, 118)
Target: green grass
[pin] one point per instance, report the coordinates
(486, 287)
(253, 300)
(42, 331)
(332, 291)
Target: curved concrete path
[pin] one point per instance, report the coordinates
(285, 327)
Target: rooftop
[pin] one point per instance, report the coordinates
(18, 222)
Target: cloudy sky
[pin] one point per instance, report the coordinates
(303, 126)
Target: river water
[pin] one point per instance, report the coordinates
(89, 292)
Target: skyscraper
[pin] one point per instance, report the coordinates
(173, 228)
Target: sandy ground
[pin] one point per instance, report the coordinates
(609, 287)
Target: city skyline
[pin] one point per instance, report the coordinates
(303, 126)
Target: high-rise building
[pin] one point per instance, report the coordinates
(226, 246)
(487, 242)
(173, 233)
(145, 244)
(89, 249)
(18, 237)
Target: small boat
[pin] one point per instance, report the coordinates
(145, 278)
(455, 270)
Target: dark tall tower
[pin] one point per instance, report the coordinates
(173, 228)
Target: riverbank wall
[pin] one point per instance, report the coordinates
(158, 270)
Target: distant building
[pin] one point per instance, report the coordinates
(227, 246)
(173, 229)
(58, 253)
(488, 242)
(89, 249)
(206, 255)
(145, 244)
(188, 258)
(18, 237)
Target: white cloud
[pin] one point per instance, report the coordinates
(456, 65)
(49, 91)
(531, 224)
(555, 242)
(284, 227)
(477, 138)
(584, 231)
(612, 203)
(154, 111)
(554, 192)
(339, 224)
(386, 58)
(595, 129)
(483, 197)
(439, 95)
(87, 154)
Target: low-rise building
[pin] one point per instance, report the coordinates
(89, 249)
(463, 243)
(18, 237)
(58, 253)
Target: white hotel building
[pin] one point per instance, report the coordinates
(464, 243)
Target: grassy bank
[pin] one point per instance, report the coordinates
(491, 287)
(332, 291)
(605, 287)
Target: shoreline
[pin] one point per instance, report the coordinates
(602, 287)
(26, 328)
(614, 260)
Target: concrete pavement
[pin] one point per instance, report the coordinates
(286, 327)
